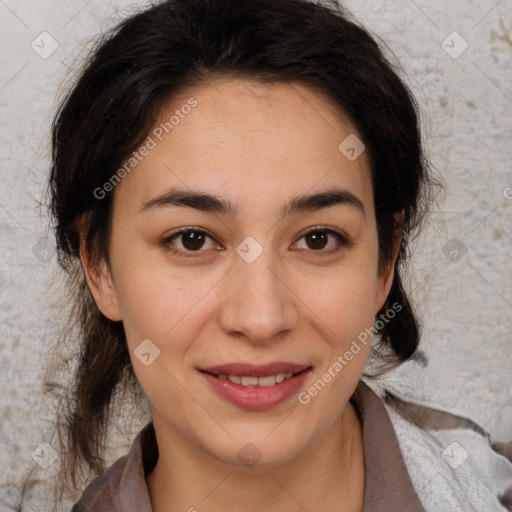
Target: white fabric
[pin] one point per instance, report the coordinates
(474, 485)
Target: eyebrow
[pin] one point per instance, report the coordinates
(214, 204)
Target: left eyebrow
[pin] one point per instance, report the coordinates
(215, 204)
(325, 199)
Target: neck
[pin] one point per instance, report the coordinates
(329, 475)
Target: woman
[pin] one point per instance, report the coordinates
(235, 186)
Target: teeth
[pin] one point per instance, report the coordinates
(249, 381)
(269, 380)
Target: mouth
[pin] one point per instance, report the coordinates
(256, 387)
(246, 374)
(252, 380)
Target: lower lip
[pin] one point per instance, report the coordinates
(257, 398)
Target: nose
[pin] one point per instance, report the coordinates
(257, 302)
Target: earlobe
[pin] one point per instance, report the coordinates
(100, 283)
(387, 275)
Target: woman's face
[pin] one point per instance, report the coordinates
(246, 285)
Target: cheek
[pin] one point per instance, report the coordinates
(345, 314)
(167, 311)
(155, 297)
(159, 306)
(343, 307)
(342, 298)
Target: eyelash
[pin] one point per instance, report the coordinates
(342, 240)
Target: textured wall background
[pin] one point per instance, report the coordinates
(457, 58)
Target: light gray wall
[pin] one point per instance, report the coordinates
(466, 303)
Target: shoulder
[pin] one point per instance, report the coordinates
(100, 494)
(448, 457)
(122, 487)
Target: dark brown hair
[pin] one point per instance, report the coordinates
(141, 64)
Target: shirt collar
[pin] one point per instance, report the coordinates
(388, 485)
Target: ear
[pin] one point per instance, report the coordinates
(386, 275)
(100, 283)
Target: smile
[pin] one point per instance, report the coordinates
(245, 380)
(257, 392)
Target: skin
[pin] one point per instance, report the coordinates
(258, 146)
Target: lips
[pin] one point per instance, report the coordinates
(256, 387)
(250, 370)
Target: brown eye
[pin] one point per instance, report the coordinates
(317, 239)
(190, 240)
(193, 240)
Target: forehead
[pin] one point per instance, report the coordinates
(251, 142)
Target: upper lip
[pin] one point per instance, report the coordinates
(251, 370)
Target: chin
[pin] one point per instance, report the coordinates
(256, 449)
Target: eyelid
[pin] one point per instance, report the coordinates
(327, 229)
(344, 240)
(175, 234)
(185, 229)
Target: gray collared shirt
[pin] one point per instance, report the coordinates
(388, 487)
